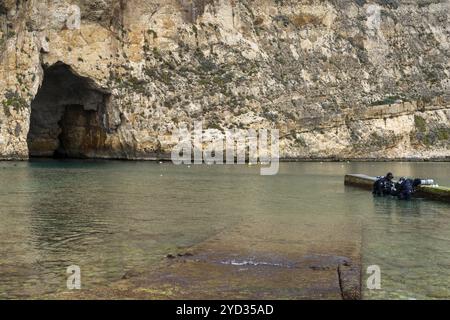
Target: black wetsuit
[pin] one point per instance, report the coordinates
(383, 187)
(405, 190)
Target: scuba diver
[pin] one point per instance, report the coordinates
(405, 188)
(384, 185)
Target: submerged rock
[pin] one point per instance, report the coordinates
(130, 274)
(187, 254)
(350, 281)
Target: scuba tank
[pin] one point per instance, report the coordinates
(427, 182)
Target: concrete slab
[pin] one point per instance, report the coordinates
(429, 192)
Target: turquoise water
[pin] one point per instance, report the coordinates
(111, 217)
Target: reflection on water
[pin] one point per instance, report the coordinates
(412, 242)
(111, 217)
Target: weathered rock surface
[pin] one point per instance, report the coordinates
(339, 78)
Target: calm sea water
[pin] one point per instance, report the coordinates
(111, 217)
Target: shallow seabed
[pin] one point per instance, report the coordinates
(245, 235)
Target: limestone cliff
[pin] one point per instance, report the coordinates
(339, 78)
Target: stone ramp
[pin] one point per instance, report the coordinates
(320, 278)
(253, 260)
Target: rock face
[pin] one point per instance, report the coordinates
(115, 78)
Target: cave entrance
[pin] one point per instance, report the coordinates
(66, 116)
